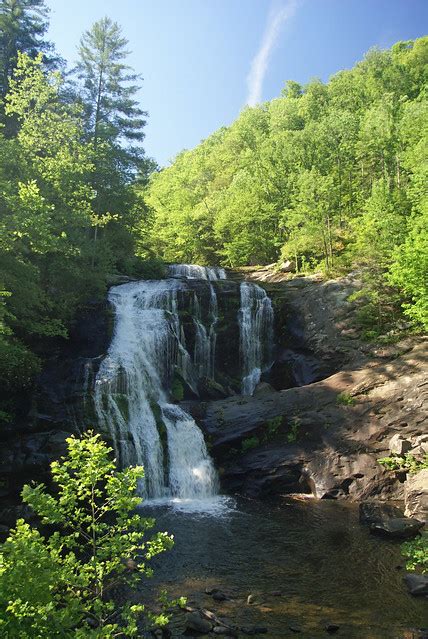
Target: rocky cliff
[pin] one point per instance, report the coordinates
(323, 437)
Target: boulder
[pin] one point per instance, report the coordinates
(399, 528)
(398, 445)
(375, 512)
(287, 267)
(417, 584)
(195, 622)
(421, 442)
(416, 496)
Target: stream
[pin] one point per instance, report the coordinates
(326, 566)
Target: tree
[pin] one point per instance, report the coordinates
(62, 583)
(114, 125)
(109, 88)
(23, 24)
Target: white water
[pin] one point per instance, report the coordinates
(196, 272)
(130, 388)
(131, 397)
(256, 334)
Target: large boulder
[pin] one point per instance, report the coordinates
(417, 584)
(416, 496)
(397, 528)
(398, 445)
(375, 512)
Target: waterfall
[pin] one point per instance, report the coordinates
(256, 334)
(131, 397)
(196, 272)
(165, 335)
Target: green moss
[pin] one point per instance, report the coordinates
(272, 427)
(122, 403)
(293, 434)
(177, 389)
(249, 443)
(345, 399)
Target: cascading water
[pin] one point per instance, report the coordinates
(205, 338)
(196, 272)
(148, 351)
(256, 334)
(131, 399)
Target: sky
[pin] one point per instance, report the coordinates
(202, 61)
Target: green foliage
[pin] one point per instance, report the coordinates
(249, 443)
(272, 427)
(345, 399)
(416, 552)
(63, 584)
(293, 433)
(405, 462)
(332, 176)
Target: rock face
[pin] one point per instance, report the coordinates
(416, 496)
(56, 408)
(322, 438)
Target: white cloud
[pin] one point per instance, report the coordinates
(278, 16)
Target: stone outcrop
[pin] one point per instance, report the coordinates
(416, 496)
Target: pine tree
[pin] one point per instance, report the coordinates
(23, 24)
(109, 87)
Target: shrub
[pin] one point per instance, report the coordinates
(62, 584)
(407, 462)
(416, 552)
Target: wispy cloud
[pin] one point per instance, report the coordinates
(278, 16)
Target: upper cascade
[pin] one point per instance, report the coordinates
(196, 272)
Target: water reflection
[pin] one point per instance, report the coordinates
(325, 565)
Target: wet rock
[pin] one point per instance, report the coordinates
(332, 627)
(276, 593)
(295, 628)
(398, 445)
(400, 528)
(217, 595)
(210, 389)
(417, 584)
(195, 622)
(225, 631)
(416, 496)
(375, 512)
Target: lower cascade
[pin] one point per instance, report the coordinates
(132, 393)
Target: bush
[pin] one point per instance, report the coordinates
(62, 584)
(406, 462)
(416, 552)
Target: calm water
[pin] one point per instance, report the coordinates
(327, 567)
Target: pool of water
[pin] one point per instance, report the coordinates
(325, 565)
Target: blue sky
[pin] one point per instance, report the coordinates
(203, 60)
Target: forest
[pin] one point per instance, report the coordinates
(332, 177)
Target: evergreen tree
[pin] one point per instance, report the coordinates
(23, 24)
(109, 89)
